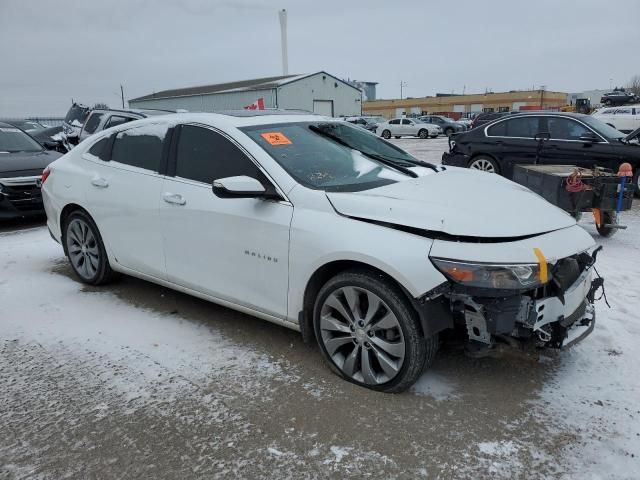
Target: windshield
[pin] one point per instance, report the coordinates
(28, 125)
(15, 140)
(602, 128)
(320, 162)
(76, 115)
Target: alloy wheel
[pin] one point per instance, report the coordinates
(361, 335)
(482, 164)
(83, 249)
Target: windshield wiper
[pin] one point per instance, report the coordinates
(384, 160)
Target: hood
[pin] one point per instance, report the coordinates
(458, 202)
(15, 164)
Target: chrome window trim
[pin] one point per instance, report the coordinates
(486, 133)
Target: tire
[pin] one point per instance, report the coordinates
(609, 218)
(484, 164)
(434, 136)
(391, 344)
(386, 134)
(396, 136)
(448, 132)
(423, 134)
(85, 250)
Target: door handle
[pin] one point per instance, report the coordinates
(174, 198)
(99, 182)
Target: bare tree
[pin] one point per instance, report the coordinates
(634, 85)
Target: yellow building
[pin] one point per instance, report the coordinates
(459, 105)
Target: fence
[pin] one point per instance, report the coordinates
(50, 121)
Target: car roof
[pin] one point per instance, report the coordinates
(227, 119)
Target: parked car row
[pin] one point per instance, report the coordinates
(291, 217)
(545, 138)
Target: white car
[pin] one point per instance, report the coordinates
(625, 119)
(407, 127)
(319, 226)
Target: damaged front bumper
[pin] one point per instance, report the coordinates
(557, 315)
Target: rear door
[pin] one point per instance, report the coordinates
(123, 193)
(512, 142)
(235, 249)
(395, 127)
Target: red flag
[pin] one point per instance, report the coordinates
(257, 105)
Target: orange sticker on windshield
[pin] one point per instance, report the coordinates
(276, 138)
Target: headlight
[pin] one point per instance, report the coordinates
(483, 275)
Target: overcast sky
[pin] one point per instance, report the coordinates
(54, 51)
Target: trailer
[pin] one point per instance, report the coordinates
(577, 190)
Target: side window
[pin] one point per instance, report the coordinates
(117, 120)
(623, 111)
(406, 122)
(92, 122)
(565, 128)
(140, 147)
(525, 127)
(204, 155)
(394, 122)
(99, 149)
(498, 130)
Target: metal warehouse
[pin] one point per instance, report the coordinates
(317, 92)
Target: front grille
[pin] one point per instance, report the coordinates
(24, 197)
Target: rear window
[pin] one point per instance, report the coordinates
(525, 127)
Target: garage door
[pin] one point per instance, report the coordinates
(323, 107)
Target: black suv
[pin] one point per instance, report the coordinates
(544, 138)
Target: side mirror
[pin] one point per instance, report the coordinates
(238, 187)
(589, 137)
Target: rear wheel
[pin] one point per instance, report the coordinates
(448, 132)
(369, 333)
(85, 249)
(386, 134)
(484, 164)
(608, 218)
(423, 133)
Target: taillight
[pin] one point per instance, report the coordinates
(45, 174)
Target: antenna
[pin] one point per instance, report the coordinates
(283, 39)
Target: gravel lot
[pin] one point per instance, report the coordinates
(134, 380)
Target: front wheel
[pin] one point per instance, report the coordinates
(484, 164)
(423, 133)
(386, 134)
(86, 252)
(369, 333)
(448, 132)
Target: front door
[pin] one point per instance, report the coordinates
(123, 190)
(564, 146)
(235, 249)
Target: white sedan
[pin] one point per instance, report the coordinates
(321, 227)
(407, 127)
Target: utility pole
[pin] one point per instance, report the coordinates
(283, 41)
(122, 96)
(402, 84)
(542, 87)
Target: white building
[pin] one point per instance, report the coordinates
(317, 92)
